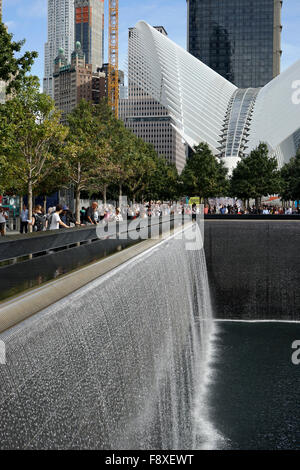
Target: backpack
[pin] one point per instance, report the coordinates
(84, 215)
(39, 222)
(49, 218)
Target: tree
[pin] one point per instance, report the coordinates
(55, 179)
(111, 134)
(141, 168)
(165, 182)
(86, 150)
(29, 128)
(13, 67)
(124, 154)
(290, 174)
(256, 175)
(204, 175)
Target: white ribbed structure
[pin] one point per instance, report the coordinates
(179, 81)
(200, 101)
(60, 35)
(276, 114)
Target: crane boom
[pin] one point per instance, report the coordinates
(113, 56)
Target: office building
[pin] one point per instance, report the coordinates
(123, 89)
(89, 30)
(76, 81)
(146, 116)
(239, 39)
(60, 36)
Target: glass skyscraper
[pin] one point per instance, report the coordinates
(239, 39)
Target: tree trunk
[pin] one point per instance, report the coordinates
(77, 204)
(104, 194)
(30, 196)
(45, 204)
(120, 195)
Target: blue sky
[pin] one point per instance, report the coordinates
(28, 19)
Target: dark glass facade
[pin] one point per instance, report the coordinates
(239, 39)
(83, 35)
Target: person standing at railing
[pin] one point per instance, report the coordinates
(24, 220)
(68, 218)
(3, 219)
(56, 221)
(38, 221)
(118, 217)
(92, 214)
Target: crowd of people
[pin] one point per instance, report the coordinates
(62, 217)
(55, 218)
(236, 209)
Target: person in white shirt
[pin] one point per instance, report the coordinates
(55, 221)
(118, 216)
(3, 219)
(24, 220)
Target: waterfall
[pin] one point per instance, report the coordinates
(118, 364)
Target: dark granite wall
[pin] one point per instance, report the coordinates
(253, 268)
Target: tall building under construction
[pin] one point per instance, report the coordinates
(89, 30)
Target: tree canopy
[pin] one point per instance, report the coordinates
(256, 175)
(13, 65)
(204, 174)
(30, 132)
(290, 174)
(87, 150)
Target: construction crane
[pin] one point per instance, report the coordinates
(113, 56)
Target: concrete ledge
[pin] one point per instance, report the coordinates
(23, 245)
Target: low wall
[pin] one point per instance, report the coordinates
(253, 268)
(19, 245)
(59, 252)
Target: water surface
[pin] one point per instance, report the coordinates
(255, 394)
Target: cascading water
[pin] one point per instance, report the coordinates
(118, 364)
